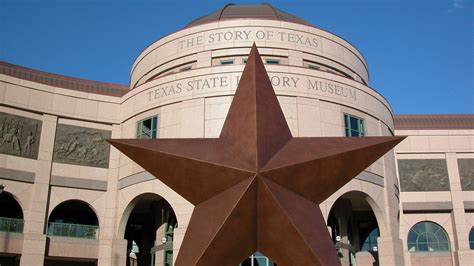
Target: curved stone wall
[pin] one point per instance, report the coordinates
(224, 37)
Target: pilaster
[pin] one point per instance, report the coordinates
(34, 243)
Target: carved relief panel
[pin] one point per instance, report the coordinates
(81, 146)
(423, 175)
(19, 136)
(466, 173)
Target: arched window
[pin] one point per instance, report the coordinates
(471, 238)
(427, 237)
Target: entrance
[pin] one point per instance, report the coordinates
(149, 231)
(354, 228)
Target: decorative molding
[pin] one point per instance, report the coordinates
(81, 183)
(427, 206)
(135, 179)
(17, 175)
(469, 205)
(371, 178)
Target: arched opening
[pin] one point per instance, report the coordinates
(11, 221)
(73, 218)
(151, 227)
(11, 214)
(354, 229)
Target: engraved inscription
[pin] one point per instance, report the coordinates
(423, 175)
(19, 135)
(293, 83)
(253, 34)
(81, 146)
(466, 173)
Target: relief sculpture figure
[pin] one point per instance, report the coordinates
(30, 140)
(81, 146)
(19, 135)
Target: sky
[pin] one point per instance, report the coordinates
(420, 52)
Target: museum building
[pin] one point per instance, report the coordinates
(68, 198)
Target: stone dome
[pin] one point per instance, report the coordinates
(258, 11)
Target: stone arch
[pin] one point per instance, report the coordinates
(73, 218)
(154, 186)
(374, 205)
(14, 203)
(149, 220)
(52, 207)
(94, 200)
(131, 205)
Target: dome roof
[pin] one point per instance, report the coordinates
(259, 11)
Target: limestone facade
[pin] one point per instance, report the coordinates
(187, 79)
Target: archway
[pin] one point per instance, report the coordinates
(150, 225)
(11, 222)
(73, 218)
(11, 214)
(354, 228)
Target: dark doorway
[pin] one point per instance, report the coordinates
(150, 227)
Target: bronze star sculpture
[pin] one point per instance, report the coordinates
(256, 188)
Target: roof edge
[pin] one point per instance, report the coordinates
(433, 121)
(61, 81)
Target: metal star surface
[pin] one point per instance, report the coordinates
(256, 188)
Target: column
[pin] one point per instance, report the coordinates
(108, 255)
(390, 246)
(461, 251)
(34, 242)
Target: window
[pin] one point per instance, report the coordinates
(257, 259)
(314, 67)
(186, 68)
(354, 126)
(370, 243)
(146, 128)
(427, 237)
(244, 61)
(471, 238)
(273, 61)
(227, 62)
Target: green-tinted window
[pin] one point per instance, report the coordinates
(273, 61)
(471, 238)
(186, 68)
(227, 62)
(257, 259)
(354, 126)
(146, 128)
(427, 237)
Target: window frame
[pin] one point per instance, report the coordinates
(429, 243)
(272, 61)
(361, 132)
(186, 68)
(153, 131)
(226, 62)
(471, 238)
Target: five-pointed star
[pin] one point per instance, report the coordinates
(256, 187)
